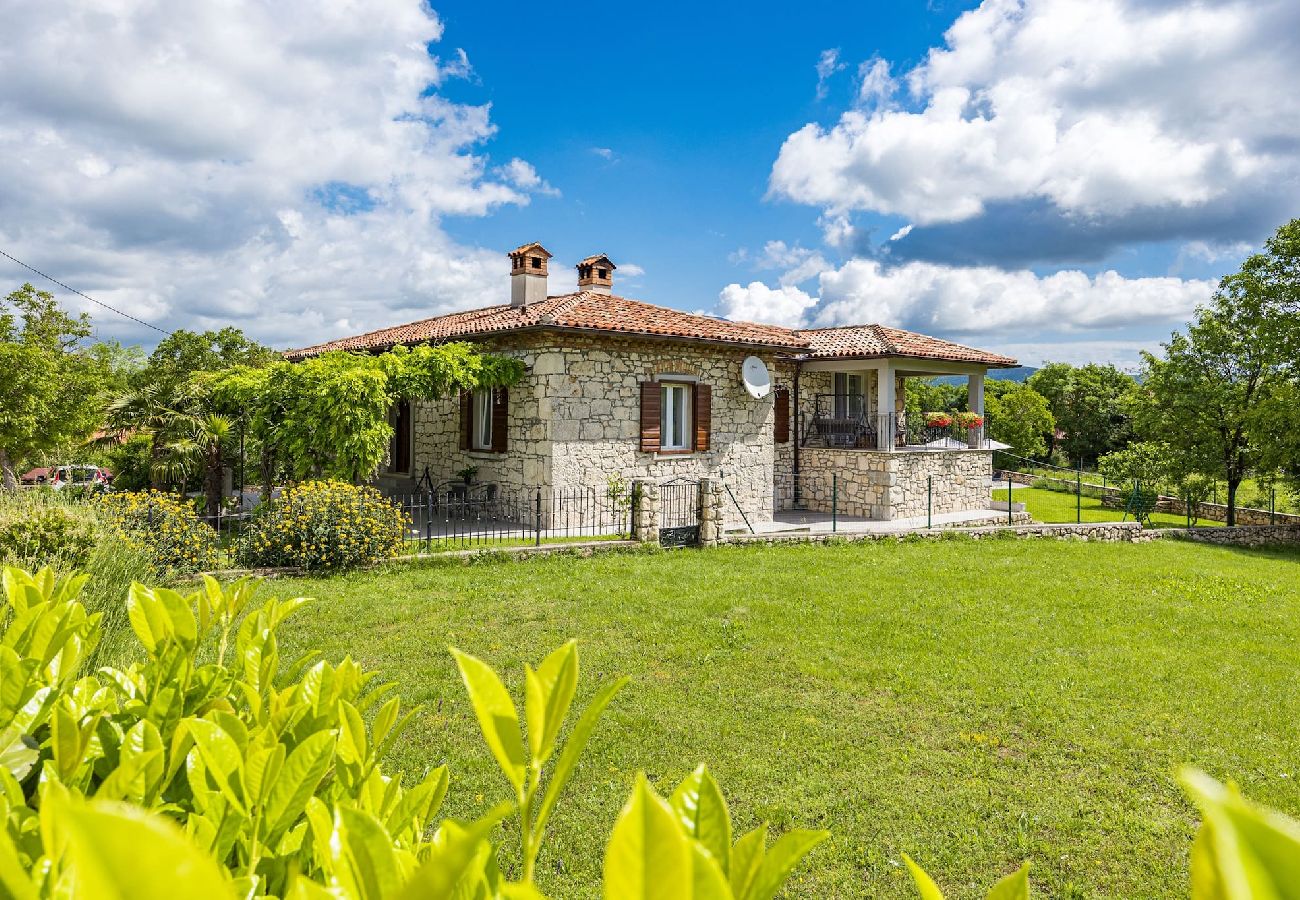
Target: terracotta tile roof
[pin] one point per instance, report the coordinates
(880, 340)
(582, 311)
(609, 314)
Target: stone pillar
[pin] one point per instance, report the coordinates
(645, 511)
(975, 403)
(710, 512)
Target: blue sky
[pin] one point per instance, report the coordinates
(1056, 179)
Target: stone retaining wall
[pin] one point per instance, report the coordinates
(1242, 536)
(1113, 532)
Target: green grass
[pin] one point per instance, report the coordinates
(1053, 506)
(970, 703)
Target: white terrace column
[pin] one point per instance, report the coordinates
(885, 407)
(975, 403)
(975, 393)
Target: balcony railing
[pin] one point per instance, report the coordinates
(843, 421)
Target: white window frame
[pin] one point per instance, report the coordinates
(853, 386)
(480, 420)
(676, 416)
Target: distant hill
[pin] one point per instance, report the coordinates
(1019, 373)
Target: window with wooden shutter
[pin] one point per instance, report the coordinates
(466, 418)
(650, 409)
(781, 427)
(703, 416)
(500, 419)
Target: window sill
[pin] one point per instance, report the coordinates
(664, 455)
(485, 454)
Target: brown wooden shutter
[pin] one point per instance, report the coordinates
(651, 405)
(703, 416)
(466, 418)
(781, 430)
(500, 419)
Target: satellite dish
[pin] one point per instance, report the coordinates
(754, 374)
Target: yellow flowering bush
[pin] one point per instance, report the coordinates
(168, 529)
(323, 525)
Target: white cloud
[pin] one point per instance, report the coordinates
(283, 167)
(827, 65)
(976, 300)
(1126, 354)
(630, 270)
(876, 86)
(1098, 107)
(756, 302)
(981, 300)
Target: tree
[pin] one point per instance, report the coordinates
(1090, 404)
(1018, 415)
(1210, 398)
(327, 416)
(159, 400)
(50, 392)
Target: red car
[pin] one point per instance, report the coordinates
(58, 476)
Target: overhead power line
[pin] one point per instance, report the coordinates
(87, 296)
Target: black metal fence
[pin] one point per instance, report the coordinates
(486, 515)
(843, 421)
(507, 516)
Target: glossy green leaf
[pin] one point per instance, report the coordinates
(707, 879)
(147, 617)
(1206, 882)
(496, 715)
(781, 859)
(925, 885)
(221, 758)
(120, 852)
(573, 748)
(454, 850)
(648, 857)
(1256, 852)
(746, 861)
(1013, 887)
(699, 803)
(299, 777)
(549, 693)
(364, 862)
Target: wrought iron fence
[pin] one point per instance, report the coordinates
(679, 512)
(844, 421)
(484, 515)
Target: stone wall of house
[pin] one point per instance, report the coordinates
(575, 421)
(435, 428)
(879, 485)
(588, 388)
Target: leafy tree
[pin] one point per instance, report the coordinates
(187, 435)
(925, 395)
(1213, 396)
(1090, 404)
(1147, 462)
(1018, 415)
(50, 392)
(327, 416)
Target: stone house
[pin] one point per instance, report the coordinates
(618, 389)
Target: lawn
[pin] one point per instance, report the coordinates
(1053, 506)
(970, 703)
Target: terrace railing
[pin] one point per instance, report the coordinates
(843, 421)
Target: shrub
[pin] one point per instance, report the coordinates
(168, 530)
(39, 531)
(182, 776)
(324, 525)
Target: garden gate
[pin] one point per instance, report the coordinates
(679, 513)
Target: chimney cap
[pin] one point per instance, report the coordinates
(531, 247)
(598, 258)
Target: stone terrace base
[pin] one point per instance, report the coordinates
(874, 484)
(1242, 536)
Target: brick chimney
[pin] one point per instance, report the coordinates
(596, 274)
(528, 274)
